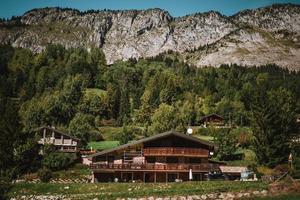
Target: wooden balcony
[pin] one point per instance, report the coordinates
(204, 167)
(176, 151)
(67, 150)
(58, 142)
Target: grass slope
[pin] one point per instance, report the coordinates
(102, 145)
(110, 133)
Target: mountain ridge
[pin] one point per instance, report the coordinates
(250, 37)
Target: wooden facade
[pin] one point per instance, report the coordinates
(212, 120)
(164, 157)
(61, 141)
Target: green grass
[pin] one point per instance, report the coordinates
(102, 145)
(205, 137)
(76, 171)
(73, 172)
(110, 133)
(115, 190)
(95, 91)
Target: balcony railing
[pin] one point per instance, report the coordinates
(57, 142)
(204, 167)
(175, 151)
(71, 150)
(46, 141)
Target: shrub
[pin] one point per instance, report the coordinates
(4, 188)
(296, 174)
(227, 145)
(48, 148)
(5, 185)
(264, 170)
(57, 161)
(95, 136)
(45, 174)
(245, 139)
(126, 136)
(30, 176)
(282, 168)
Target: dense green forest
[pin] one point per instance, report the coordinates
(74, 90)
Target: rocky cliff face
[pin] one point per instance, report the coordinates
(251, 37)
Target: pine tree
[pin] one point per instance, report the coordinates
(273, 123)
(124, 113)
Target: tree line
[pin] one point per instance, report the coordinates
(75, 90)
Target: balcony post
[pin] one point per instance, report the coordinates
(62, 139)
(166, 177)
(154, 177)
(44, 135)
(93, 177)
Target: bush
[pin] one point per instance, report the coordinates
(4, 188)
(264, 170)
(126, 136)
(5, 185)
(282, 168)
(227, 145)
(95, 136)
(296, 174)
(45, 174)
(57, 161)
(245, 139)
(30, 176)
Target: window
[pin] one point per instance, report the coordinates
(110, 159)
(172, 159)
(195, 160)
(150, 159)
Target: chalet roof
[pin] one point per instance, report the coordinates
(154, 137)
(57, 131)
(211, 115)
(233, 169)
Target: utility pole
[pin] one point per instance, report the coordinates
(241, 120)
(230, 120)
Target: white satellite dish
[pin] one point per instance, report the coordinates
(190, 131)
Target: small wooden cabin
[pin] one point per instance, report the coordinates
(234, 172)
(165, 157)
(212, 120)
(61, 141)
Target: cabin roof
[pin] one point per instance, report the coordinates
(57, 131)
(154, 137)
(211, 115)
(233, 169)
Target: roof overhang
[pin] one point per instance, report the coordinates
(210, 145)
(57, 131)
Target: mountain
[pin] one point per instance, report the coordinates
(250, 37)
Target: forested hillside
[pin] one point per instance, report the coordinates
(76, 91)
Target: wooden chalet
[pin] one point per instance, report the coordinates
(164, 157)
(212, 119)
(61, 141)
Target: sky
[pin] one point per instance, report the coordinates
(9, 8)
